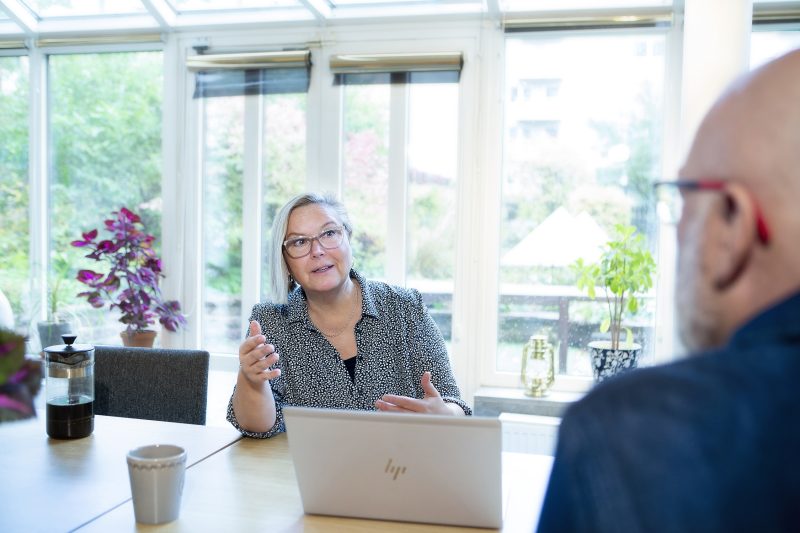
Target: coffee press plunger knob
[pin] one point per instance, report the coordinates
(68, 338)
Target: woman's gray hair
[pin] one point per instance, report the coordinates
(280, 283)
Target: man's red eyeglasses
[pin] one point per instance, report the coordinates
(712, 185)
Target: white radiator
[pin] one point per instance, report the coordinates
(529, 433)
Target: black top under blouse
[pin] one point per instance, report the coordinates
(350, 364)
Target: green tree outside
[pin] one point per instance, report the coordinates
(14, 203)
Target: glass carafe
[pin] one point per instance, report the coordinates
(69, 389)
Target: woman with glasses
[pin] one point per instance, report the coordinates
(328, 337)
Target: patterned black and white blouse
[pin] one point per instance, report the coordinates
(396, 340)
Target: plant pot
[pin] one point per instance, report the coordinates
(50, 332)
(607, 362)
(143, 338)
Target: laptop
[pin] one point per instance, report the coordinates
(392, 466)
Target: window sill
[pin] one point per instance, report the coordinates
(492, 401)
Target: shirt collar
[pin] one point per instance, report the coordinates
(777, 322)
(298, 308)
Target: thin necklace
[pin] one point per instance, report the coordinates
(347, 323)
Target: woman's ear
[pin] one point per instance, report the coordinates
(736, 237)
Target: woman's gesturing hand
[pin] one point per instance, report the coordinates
(431, 403)
(255, 357)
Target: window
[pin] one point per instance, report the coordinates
(105, 128)
(14, 201)
(199, 5)
(399, 156)
(365, 174)
(767, 43)
(431, 206)
(399, 141)
(223, 167)
(254, 142)
(591, 122)
(74, 8)
(284, 163)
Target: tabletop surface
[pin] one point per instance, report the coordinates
(58, 485)
(251, 485)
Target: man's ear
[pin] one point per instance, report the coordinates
(736, 237)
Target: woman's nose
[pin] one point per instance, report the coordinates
(316, 248)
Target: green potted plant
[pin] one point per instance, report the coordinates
(131, 282)
(625, 272)
(57, 324)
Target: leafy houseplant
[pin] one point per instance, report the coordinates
(50, 330)
(625, 271)
(131, 284)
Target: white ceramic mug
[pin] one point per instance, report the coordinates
(157, 472)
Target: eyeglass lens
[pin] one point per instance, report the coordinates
(301, 246)
(670, 204)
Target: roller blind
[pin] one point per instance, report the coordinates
(776, 13)
(420, 67)
(12, 45)
(99, 40)
(250, 73)
(615, 18)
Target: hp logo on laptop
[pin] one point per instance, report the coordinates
(394, 470)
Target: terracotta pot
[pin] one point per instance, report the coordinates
(140, 339)
(607, 362)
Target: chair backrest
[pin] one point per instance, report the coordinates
(151, 383)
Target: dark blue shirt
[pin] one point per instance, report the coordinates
(709, 443)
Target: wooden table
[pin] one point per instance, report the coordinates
(58, 485)
(251, 486)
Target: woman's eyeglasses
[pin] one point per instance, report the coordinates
(300, 246)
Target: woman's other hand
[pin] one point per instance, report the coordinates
(431, 403)
(255, 357)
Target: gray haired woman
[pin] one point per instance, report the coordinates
(345, 342)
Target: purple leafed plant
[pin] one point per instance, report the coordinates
(20, 378)
(131, 285)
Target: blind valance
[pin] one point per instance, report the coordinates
(250, 73)
(420, 67)
(615, 18)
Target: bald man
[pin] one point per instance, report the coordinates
(711, 442)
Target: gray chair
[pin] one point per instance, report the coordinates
(151, 383)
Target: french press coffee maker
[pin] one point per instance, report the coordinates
(69, 389)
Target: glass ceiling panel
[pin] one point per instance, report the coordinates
(78, 8)
(183, 6)
(563, 5)
(340, 3)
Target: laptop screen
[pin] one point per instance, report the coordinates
(391, 466)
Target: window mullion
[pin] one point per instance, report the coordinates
(38, 179)
(324, 132)
(252, 209)
(181, 244)
(398, 177)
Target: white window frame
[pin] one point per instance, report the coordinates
(463, 37)
(39, 150)
(565, 383)
(323, 148)
(186, 192)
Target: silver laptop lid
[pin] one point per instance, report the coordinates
(391, 466)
